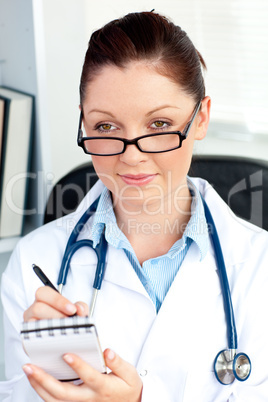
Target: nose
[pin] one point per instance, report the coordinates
(132, 156)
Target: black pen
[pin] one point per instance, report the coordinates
(43, 277)
(45, 280)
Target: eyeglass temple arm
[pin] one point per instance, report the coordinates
(80, 134)
(189, 124)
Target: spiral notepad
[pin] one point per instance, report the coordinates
(46, 341)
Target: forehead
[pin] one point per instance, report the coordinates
(136, 84)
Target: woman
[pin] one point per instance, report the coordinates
(160, 312)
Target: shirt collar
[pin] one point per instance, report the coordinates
(105, 217)
(196, 229)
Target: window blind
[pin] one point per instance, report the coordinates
(232, 36)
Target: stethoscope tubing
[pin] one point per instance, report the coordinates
(73, 245)
(226, 294)
(101, 250)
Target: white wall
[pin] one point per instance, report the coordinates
(49, 39)
(60, 43)
(68, 25)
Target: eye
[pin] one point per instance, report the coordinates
(105, 128)
(159, 124)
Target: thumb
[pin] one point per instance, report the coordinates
(82, 309)
(121, 368)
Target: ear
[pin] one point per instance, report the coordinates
(203, 119)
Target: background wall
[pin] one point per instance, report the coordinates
(232, 37)
(44, 51)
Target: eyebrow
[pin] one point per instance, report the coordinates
(161, 108)
(147, 114)
(101, 111)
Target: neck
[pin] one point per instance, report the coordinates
(159, 224)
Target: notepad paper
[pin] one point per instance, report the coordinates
(46, 341)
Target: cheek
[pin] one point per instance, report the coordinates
(104, 167)
(177, 162)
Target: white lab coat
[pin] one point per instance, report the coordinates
(173, 350)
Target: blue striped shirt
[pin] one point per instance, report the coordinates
(156, 274)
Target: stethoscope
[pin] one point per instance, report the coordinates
(228, 365)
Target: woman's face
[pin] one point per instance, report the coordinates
(135, 101)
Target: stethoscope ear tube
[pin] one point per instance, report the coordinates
(67, 259)
(71, 246)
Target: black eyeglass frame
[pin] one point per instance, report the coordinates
(182, 135)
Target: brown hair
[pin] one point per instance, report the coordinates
(145, 36)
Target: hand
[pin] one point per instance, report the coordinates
(51, 304)
(123, 384)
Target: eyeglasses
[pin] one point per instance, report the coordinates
(150, 143)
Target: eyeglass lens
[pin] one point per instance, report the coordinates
(156, 143)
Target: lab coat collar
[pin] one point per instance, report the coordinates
(126, 277)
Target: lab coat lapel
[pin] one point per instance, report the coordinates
(235, 242)
(120, 272)
(184, 321)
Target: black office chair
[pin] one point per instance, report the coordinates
(241, 182)
(69, 192)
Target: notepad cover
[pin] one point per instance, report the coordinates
(46, 341)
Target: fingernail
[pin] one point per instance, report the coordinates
(68, 358)
(70, 309)
(111, 355)
(27, 370)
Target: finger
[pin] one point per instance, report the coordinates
(47, 302)
(82, 309)
(39, 381)
(39, 311)
(41, 391)
(126, 371)
(54, 299)
(91, 377)
(51, 389)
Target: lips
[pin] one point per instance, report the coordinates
(138, 179)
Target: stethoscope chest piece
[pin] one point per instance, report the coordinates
(228, 366)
